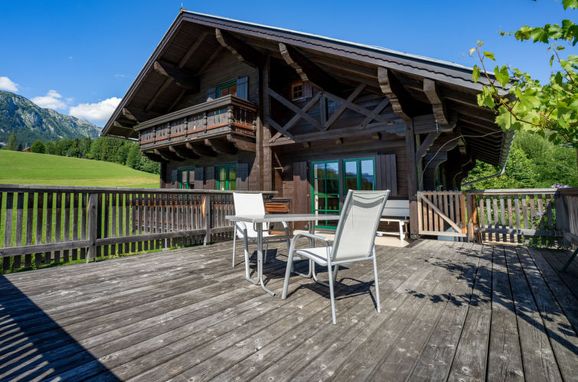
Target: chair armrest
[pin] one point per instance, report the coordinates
(312, 236)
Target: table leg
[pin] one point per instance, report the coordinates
(259, 229)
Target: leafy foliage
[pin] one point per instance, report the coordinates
(38, 147)
(534, 162)
(523, 103)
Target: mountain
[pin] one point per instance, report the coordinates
(30, 122)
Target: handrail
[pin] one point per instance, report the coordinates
(197, 109)
(44, 188)
(47, 225)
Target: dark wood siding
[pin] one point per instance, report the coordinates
(386, 166)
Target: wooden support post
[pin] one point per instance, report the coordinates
(411, 179)
(91, 215)
(206, 206)
(266, 162)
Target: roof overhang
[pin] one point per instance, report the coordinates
(191, 30)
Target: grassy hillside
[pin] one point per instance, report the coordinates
(30, 168)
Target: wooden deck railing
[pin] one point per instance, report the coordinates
(567, 215)
(513, 216)
(48, 225)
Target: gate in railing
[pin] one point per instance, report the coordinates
(49, 225)
(442, 213)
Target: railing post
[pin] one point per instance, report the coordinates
(208, 217)
(91, 215)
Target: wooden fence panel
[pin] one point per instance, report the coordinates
(41, 225)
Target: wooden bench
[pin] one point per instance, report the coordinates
(396, 211)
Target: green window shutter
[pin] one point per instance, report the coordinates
(243, 87)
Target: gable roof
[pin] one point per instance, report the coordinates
(456, 78)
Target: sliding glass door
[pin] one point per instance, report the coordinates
(330, 181)
(325, 190)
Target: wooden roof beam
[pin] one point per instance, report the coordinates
(135, 116)
(201, 150)
(308, 70)
(244, 52)
(179, 76)
(167, 155)
(154, 157)
(241, 143)
(392, 88)
(221, 147)
(438, 107)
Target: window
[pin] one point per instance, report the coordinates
(186, 177)
(300, 90)
(297, 90)
(226, 177)
(330, 181)
(238, 88)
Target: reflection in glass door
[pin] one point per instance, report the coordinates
(325, 187)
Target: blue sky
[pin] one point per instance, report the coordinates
(80, 57)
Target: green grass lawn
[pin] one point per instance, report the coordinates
(31, 168)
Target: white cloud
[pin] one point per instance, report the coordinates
(52, 100)
(98, 112)
(7, 84)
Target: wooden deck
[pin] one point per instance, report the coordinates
(451, 311)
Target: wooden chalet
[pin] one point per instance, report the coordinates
(225, 104)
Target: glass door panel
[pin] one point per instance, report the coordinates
(325, 196)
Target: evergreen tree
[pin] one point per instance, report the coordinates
(38, 147)
(12, 143)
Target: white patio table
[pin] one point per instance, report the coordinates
(258, 222)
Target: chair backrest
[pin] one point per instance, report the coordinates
(396, 208)
(355, 233)
(248, 204)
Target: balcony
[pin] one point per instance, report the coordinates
(224, 121)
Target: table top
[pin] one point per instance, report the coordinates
(277, 218)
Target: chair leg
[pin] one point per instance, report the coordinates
(377, 299)
(401, 232)
(288, 271)
(331, 293)
(246, 254)
(234, 245)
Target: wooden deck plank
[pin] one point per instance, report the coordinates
(537, 355)
(399, 309)
(436, 358)
(411, 344)
(470, 360)
(186, 314)
(505, 355)
(560, 332)
(397, 271)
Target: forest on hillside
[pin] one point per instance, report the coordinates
(534, 162)
(107, 149)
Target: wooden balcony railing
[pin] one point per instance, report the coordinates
(223, 115)
(43, 225)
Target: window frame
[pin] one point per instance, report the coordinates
(228, 167)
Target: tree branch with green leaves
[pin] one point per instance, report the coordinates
(523, 103)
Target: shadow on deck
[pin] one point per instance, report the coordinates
(449, 311)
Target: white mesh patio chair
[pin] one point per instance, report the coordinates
(354, 240)
(253, 204)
